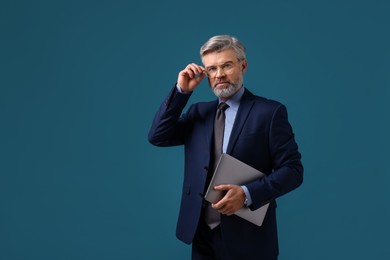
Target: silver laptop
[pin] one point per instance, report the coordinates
(232, 171)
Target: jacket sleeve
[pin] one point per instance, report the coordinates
(167, 127)
(287, 171)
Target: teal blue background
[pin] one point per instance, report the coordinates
(80, 82)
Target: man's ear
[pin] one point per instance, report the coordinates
(244, 66)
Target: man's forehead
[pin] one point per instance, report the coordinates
(216, 58)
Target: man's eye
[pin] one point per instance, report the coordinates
(211, 70)
(227, 66)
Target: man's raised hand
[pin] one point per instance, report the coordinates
(189, 78)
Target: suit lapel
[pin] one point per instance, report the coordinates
(241, 117)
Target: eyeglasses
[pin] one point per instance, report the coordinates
(226, 68)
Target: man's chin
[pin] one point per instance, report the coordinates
(223, 93)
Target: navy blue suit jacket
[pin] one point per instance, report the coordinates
(261, 137)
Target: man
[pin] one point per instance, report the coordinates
(256, 131)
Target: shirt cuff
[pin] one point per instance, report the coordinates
(181, 91)
(248, 195)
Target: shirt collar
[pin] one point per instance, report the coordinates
(234, 101)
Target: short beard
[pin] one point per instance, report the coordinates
(229, 91)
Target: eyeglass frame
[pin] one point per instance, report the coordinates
(221, 67)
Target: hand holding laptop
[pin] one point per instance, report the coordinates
(234, 172)
(232, 200)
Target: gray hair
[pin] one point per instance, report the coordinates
(220, 43)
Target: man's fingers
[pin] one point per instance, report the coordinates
(196, 68)
(193, 69)
(232, 200)
(224, 209)
(223, 187)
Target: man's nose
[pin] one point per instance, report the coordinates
(220, 73)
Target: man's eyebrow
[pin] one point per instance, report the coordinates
(229, 61)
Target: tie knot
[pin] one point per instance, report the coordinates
(223, 106)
